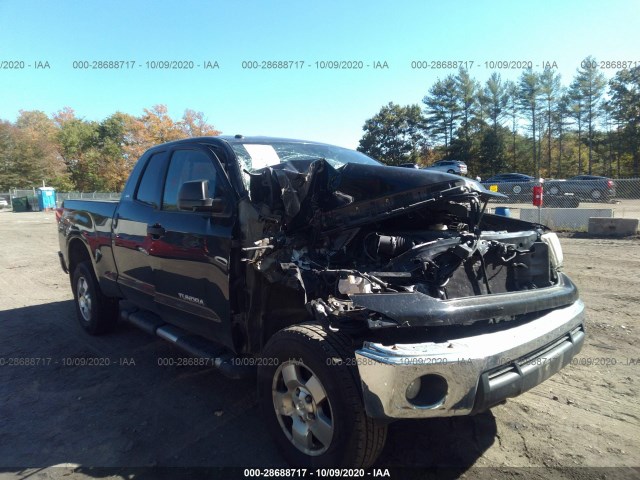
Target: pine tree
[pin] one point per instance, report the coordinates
(529, 100)
(442, 110)
(625, 103)
(549, 88)
(591, 84)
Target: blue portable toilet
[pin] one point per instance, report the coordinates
(46, 197)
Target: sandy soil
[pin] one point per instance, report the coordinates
(134, 413)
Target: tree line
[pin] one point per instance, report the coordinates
(73, 154)
(535, 125)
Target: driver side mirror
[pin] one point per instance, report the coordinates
(192, 197)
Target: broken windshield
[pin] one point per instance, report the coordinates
(254, 156)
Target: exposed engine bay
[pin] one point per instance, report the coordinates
(383, 247)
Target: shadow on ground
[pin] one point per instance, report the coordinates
(110, 402)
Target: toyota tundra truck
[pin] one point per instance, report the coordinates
(355, 293)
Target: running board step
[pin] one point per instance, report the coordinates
(142, 319)
(194, 345)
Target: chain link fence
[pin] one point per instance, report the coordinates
(568, 203)
(60, 197)
(26, 199)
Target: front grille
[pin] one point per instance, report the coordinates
(526, 271)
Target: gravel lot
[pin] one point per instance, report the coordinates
(135, 413)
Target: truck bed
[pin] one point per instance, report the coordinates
(96, 208)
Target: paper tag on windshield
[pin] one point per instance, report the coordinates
(262, 156)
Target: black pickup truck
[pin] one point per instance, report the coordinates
(357, 293)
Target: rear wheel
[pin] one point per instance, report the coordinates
(596, 195)
(309, 391)
(554, 191)
(96, 313)
(451, 171)
(517, 189)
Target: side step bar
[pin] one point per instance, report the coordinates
(194, 345)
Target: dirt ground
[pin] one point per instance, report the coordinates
(134, 413)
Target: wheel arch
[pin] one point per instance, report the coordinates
(78, 252)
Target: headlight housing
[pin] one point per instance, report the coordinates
(555, 249)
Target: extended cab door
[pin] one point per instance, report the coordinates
(132, 240)
(191, 250)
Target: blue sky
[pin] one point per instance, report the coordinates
(325, 105)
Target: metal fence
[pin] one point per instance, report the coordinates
(627, 188)
(568, 205)
(573, 205)
(60, 197)
(30, 196)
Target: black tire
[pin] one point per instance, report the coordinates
(96, 313)
(310, 356)
(597, 195)
(451, 171)
(554, 191)
(517, 189)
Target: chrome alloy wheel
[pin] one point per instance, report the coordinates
(84, 298)
(303, 408)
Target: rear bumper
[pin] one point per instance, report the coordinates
(472, 373)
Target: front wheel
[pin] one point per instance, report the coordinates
(96, 313)
(310, 395)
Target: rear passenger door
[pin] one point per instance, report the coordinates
(191, 250)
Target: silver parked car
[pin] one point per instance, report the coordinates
(3, 202)
(450, 166)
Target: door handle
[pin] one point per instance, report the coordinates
(156, 231)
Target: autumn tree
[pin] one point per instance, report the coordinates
(75, 139)
(112, 142)
(32, 153)
(194, 124)
(9, 174)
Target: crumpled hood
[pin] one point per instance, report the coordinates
(367, 182)
(328, 198)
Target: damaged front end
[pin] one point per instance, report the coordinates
(451, 309)
(371, 247)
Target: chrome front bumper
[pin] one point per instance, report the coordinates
(480, 371)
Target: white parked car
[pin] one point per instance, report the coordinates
(3, 203)
(450, 166)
